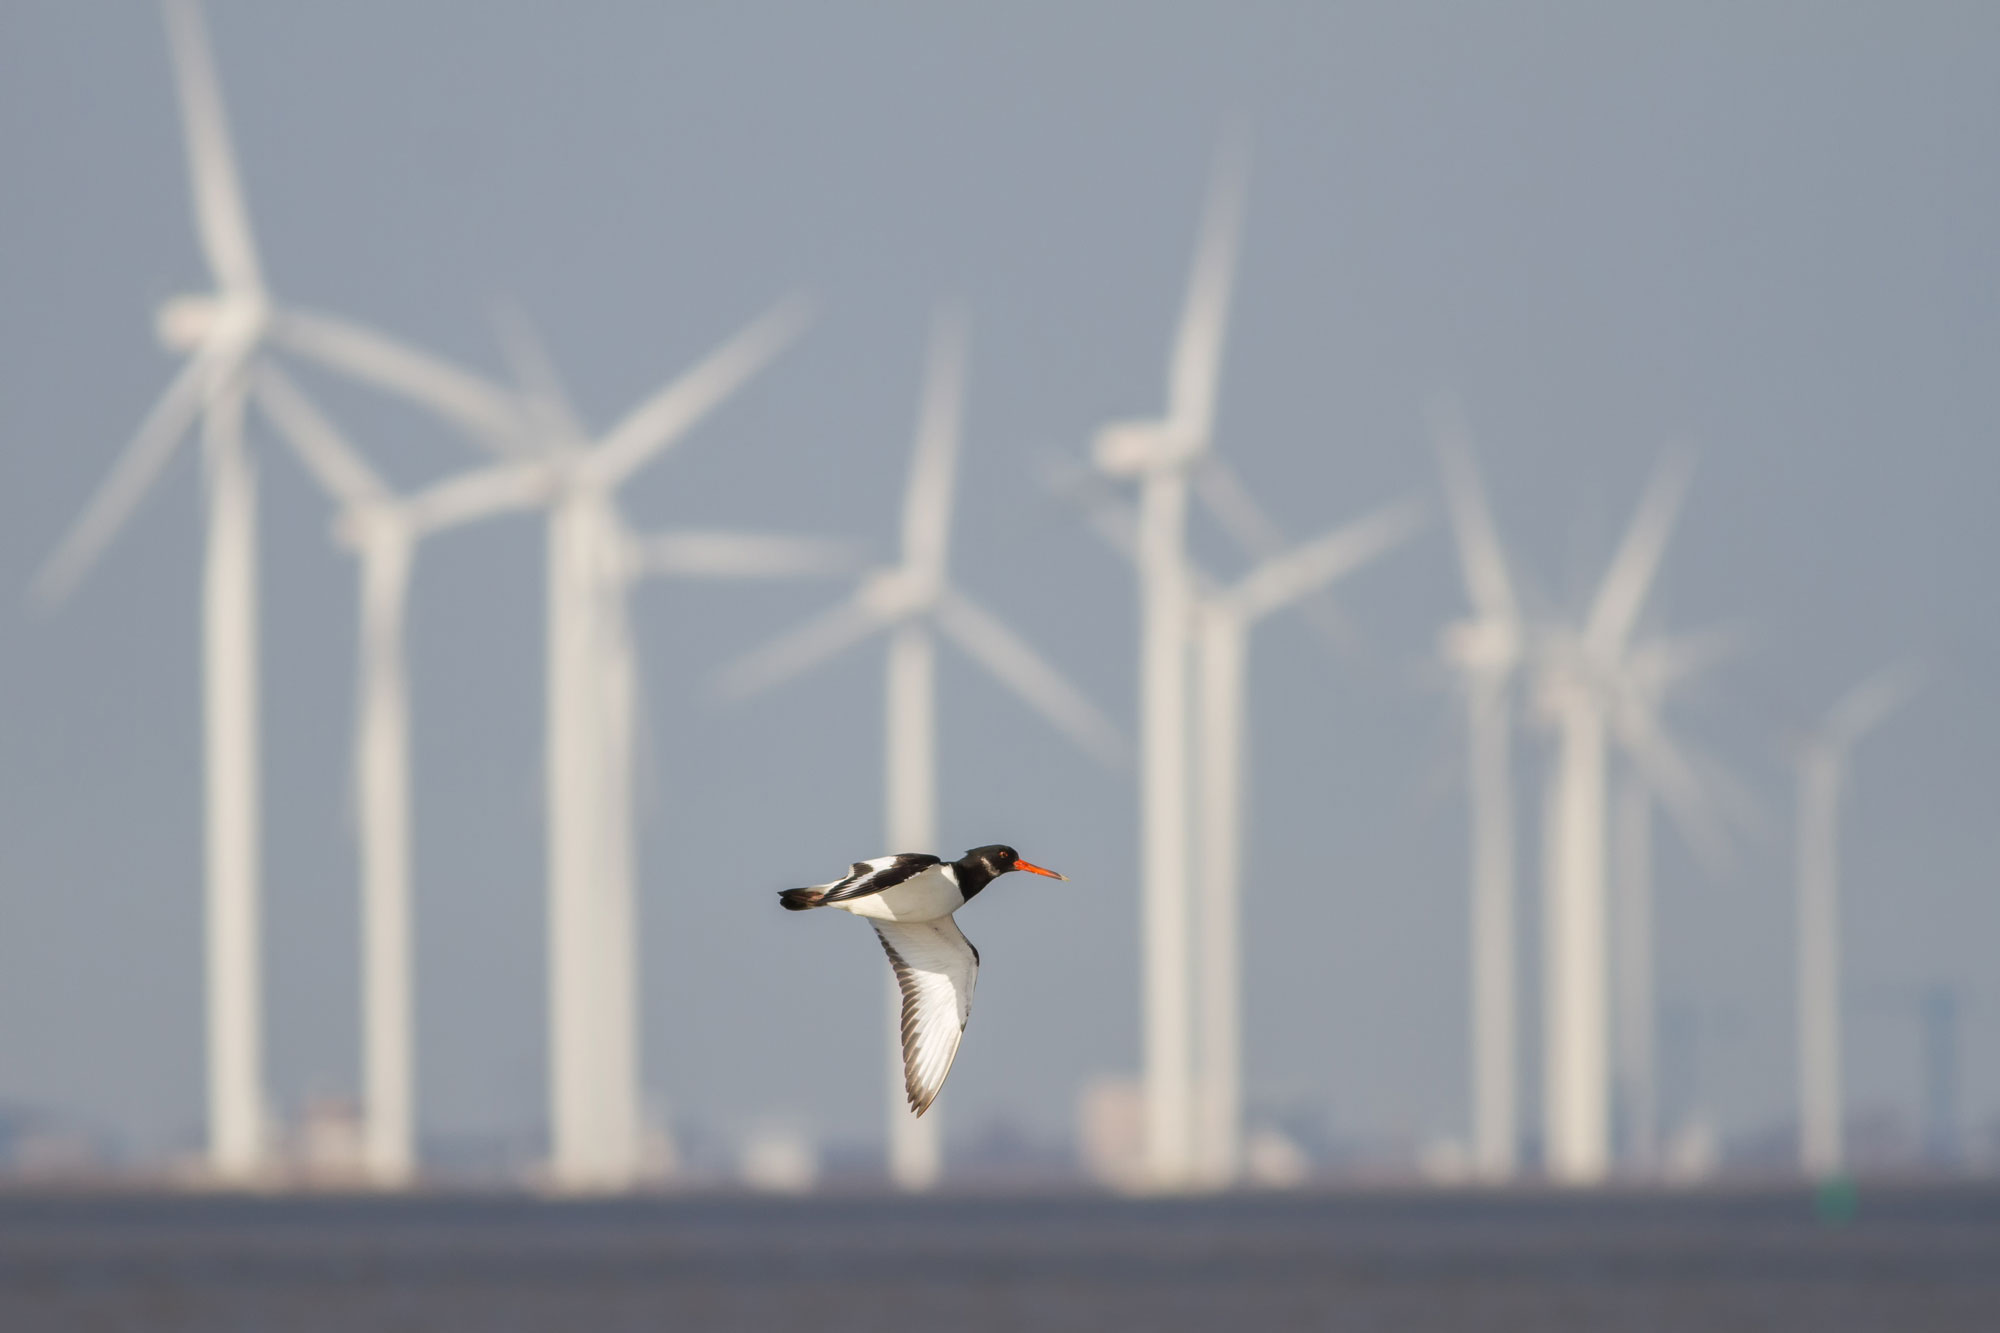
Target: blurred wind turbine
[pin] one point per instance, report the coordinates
(1222, 622)
(1220, 619)
(593, 559)
(224, 331)
(911, 602)
(1822, 766)
(1485, 650)
(1586, 701)
(225, 334)
(1229, 502)
(383, 529)
(1653, 669)
(1159, 453)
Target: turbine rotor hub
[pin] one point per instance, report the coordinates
(185, 322)
(1131, 448)
(895, 594)
(1482, 644)
(356, 525)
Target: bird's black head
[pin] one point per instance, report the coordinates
(982, 865)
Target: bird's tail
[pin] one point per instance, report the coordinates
(798, 900)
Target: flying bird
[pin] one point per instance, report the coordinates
(910, 898)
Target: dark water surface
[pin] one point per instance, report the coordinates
(1909, 1259)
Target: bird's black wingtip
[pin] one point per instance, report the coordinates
(798, 900)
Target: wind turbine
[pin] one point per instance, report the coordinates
(1822, 769)
(1220, 620)
(225, 334)
(912, 602)
(1159, 454)
(1586, 701)
(1485, 650)
(1651, 671)
(593, 560)
(1594, 685)
(1223, 620)
(383, 529)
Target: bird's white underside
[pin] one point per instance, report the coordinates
(925, 896)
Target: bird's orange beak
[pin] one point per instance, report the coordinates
(1037, 870)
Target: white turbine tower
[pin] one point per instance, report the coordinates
(1582, 698)
(1222, 623)
(593, 560)
(912, 602)
(1485, 650)
(1822, 774)
(1158, 454)
(225, 334)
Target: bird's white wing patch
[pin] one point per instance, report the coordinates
(935, 968)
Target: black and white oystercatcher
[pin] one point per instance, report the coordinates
(910, 898)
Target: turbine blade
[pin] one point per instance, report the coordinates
(1110, 515)
(132, 475)
(1317, 563)
(1672, 778)
(673, 411)
(1481, 561)
(1626, 583)
(1104, 510)
(336, 464)
(985, 638)
(488, 414)
(1197, 356)
(1224, 495)
(928, 502)
(1870, 703)
(742, 555)
(1658, 665)
(220, 215)
(527, 355)
(497, 489)
(825, 636)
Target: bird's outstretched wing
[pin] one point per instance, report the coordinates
(873, 876)
(935, 967)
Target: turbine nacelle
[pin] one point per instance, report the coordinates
(1567, 678)
(898, 594)
(1134, 448)
(184, 323)
(1482, 644)
(360, 526)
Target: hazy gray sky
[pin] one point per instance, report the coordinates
(1768, 231)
